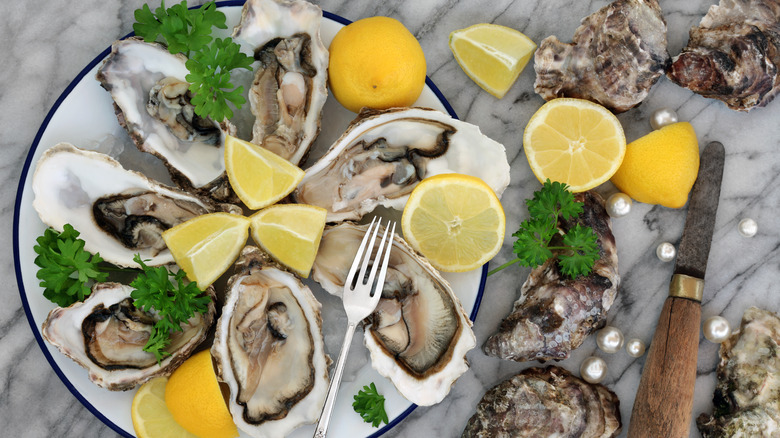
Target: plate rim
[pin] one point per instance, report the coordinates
(21, 189)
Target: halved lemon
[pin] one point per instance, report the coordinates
(456, 221)
(205, 246)
(574, 141)
(258, 176)
(492, 55)
(290, 233)
(150, 415)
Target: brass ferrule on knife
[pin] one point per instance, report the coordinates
(685, 286)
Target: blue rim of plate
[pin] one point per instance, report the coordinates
(20, 191)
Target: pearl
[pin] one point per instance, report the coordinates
(716, 329)
(593, 369)
(618, 205)
(747, 227)
(666, 252)
(662, 117)
(609, 339)
(635, 347)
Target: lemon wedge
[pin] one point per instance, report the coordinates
(574, 141)
(150, 415)
(205, 246)
(456, 221)
(491, 55)
(258, 176)
(290, 233)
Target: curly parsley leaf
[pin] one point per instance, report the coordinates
(66, 269)
(173, 300)
(184, 30)
(370, 405)
(579, 249)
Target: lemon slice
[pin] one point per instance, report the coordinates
(150, 415)
(491, 55)
(258, 176)
(205, 246)
(574, 141)
(290, 233)
(456, 221)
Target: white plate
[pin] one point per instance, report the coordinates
(84, 116)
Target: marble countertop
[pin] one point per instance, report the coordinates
(46, 44)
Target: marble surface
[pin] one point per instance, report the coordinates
(47, 43)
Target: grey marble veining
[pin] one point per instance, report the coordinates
(46, 44)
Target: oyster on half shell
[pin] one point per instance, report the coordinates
(384, 154)
(152, 102)
(419, 335)
(106, 334)
(269, 348)
(290, 85)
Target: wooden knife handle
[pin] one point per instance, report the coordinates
(664, 401)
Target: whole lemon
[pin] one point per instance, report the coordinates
(195, 400)
(661, 167)
(377, 63)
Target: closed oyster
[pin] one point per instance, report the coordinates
(106, 334)
(419, 335)
(290, 85)
(554, 313)
(269, 349)
(384, 154)
(152, 102)
(747, 396)
(543, 403)
(118, 212)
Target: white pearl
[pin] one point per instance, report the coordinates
(609, 339)
(662, 117)
(635, 347)
(593, 369)
(716, 329)
(666, 252)
(748, 227)
(618, 205)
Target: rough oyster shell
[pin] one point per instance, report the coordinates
(384, 154)
(106, 334)
(419, 335)
(269, 348)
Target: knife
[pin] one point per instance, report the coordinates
(664, 400)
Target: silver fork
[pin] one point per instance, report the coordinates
(359, 302)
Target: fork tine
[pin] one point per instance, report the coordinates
(383, 270)
(377, 260)
(369, 253)
(358, 257)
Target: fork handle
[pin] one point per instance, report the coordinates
(333, 388)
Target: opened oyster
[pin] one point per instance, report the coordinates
(152, 102)
(384, 154)
(290, 85)
(106, 334)
(269, 349)
(419, 335)
(118, 212)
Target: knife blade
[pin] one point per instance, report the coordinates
(664, 399)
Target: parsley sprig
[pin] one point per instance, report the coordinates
(210, 61)
(66, 269)
(173, 300)
(370, 405)
(577, 248)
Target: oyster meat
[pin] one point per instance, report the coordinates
(419, 335)
(118, 212)
(269, 349)
(106, 334)
(555, 313)
(384, 154)
(733, 55)
(544, 403)
(747, 397)
(615, 57)
(290, 85)
(152, 102)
